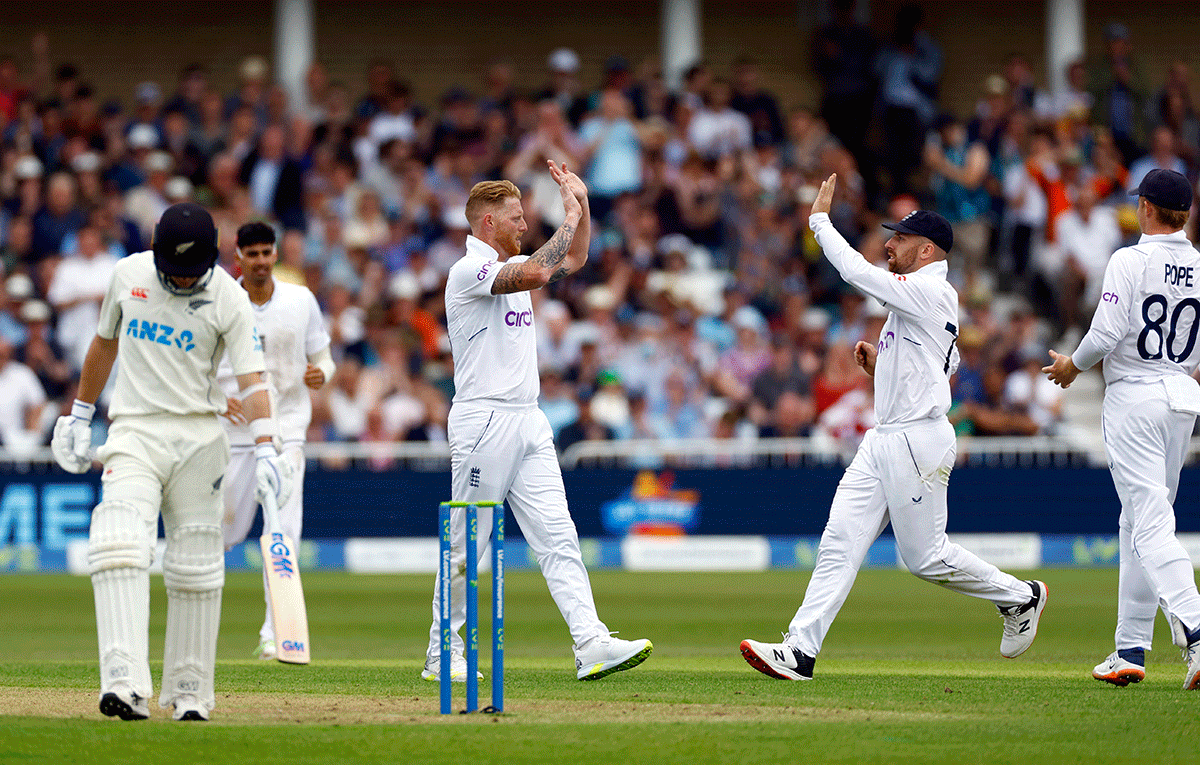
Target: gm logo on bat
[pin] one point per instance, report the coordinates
(293, 645)
(281, 557)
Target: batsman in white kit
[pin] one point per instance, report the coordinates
(902, 468)
(296, 351)
(501, 445)
(167, 317)
(1145, 330)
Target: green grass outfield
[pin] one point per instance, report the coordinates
(910, 673)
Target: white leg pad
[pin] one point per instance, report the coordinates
(194, 573)
(119, 558)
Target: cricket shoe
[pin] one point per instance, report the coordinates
(1021, 622)
(266, 650)
(458, 669)
(1118, 671)
(188, 707)
(125, 704)
(781, 660)
(1189, 643)
(603, 655)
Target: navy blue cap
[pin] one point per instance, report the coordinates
(1167, 189)
(928, 224)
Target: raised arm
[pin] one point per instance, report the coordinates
(566, 251)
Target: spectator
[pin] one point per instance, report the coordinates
(1161, 157)
(1087, 235)
(612, 151)
(759, 106)
(741, 364)
(718, 130)
(22, 402)
(1119, 93)
(76, 292)
(275, 180)
(147, 202)
(908, 68)
(843, 54)
(60, 216)
(42, 354)
(959, 169)
(564, 88)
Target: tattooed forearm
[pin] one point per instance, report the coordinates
(552, 252)
(560, 273)
(510, 279)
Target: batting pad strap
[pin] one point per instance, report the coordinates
(246, 393)
(117, 538)
(195, 559)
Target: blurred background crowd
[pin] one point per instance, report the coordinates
(705, 310)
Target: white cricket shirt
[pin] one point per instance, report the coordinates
(1149, 314)
(290, 328)
(491, 336)
(917, 349)
(170, 344)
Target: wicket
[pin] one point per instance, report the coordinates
(445, 601)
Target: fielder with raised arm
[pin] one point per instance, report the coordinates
(167, 317)
(1145, 331)
(295, 348)
(902, 467)
(501, 445)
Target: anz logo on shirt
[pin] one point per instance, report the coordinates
(162, 334)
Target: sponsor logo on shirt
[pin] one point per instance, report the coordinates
(139, 293)
(885, 342)
(483, 272)
(159, 333)
(900, 277)
(519, 318)
(1110, 297)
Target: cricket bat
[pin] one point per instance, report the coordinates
(283, 586)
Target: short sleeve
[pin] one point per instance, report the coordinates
(316, 337)
(109, 325)
(241, 334)
(470, 279)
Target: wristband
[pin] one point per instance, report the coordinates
(83, 410)
(262, 427)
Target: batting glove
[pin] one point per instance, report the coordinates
(72, 440)
(273, 473)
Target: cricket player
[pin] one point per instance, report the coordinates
(167, 316)
(902, 467)
(501, 446)
(1145, 331)
(295, 348)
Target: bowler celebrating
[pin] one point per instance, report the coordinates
(902, 467)
(296, 352)
(501, 446)
(167, 317)
(1145, 330)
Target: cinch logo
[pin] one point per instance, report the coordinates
(159, 333)
(1110, 297)
(885, 342)
(281, 557)
(521, 319)
(483, 272)
(293, 645)
(139, 293)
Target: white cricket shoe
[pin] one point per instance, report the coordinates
(603, 655)
(1021, 622)
(1191, 655)
(124, 703)
(458, 669)
(1118, 671)
(781, 660)
(266, 650)
(188, 707)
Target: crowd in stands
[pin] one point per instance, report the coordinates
(705, 309)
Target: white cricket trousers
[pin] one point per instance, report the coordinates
(507, 455)
(174, 464)
(899, 474)
(241, 507)
(1147, 443)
